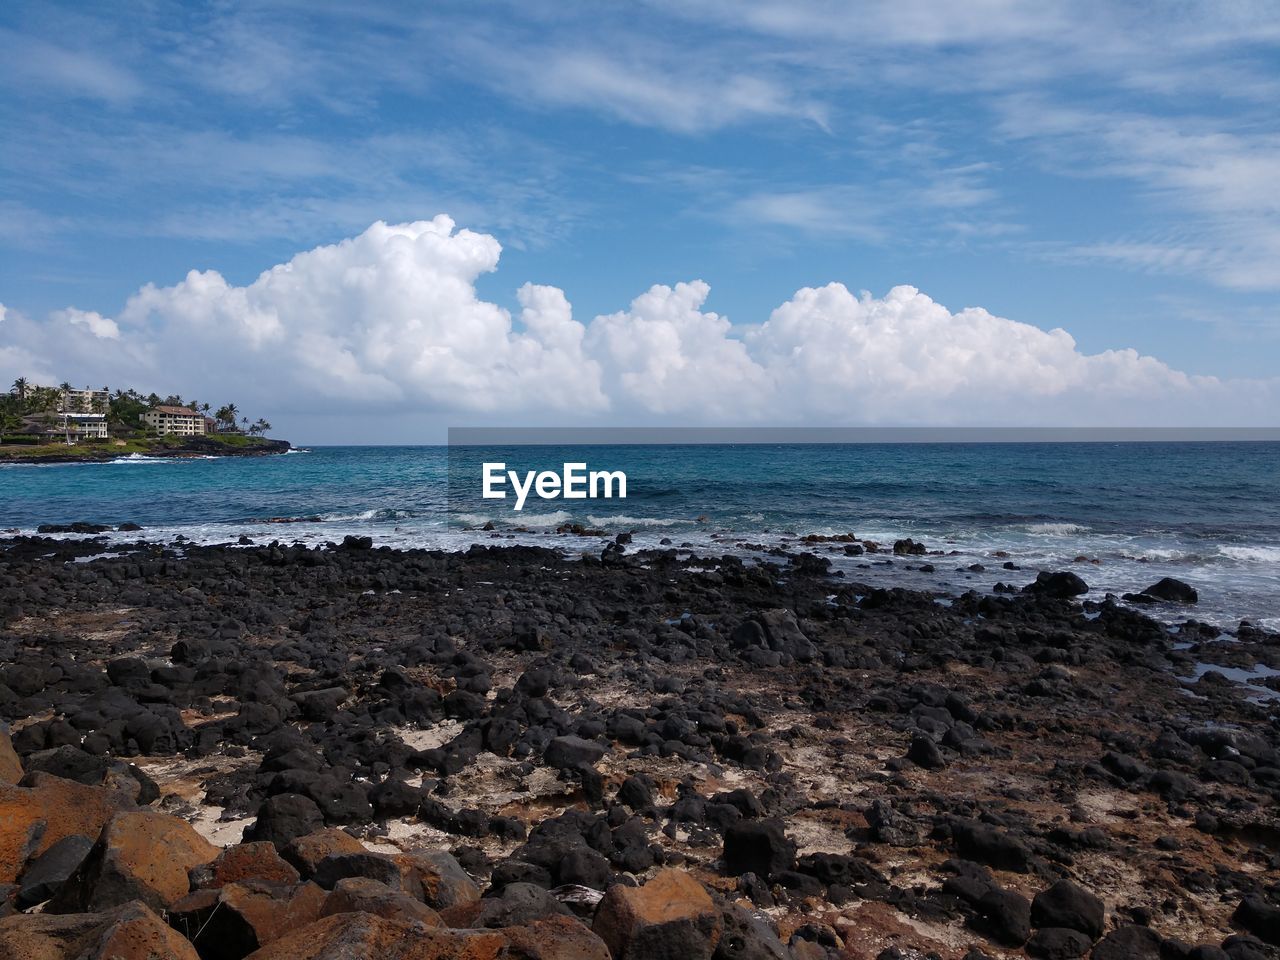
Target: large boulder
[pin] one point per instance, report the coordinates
(1130, 942)
(345, 936)
(555, 938)
(284, 818)
(231, 921)
(1062, 585)
(570, 753)
(1005, 915)
(1175, 591)
(128, 932)
(36, 816)
(1066, 904)
(670, 916)
(432, 876)
(46, 875)
(984, 843)
(362, 895)
(306, 852)
(245, 861)
(784, 635)
(758, 846)
(140, 855)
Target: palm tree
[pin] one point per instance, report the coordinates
(20, 388)
(261, 427)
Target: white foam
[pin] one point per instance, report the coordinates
(540, 520)
(1258, 553)
(1056, 529)
(622, 520)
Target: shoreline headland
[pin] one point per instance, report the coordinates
(105, 451)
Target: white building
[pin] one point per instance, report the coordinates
(87, 400)
(182, 421)
(83, 426)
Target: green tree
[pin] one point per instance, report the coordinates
(9, 423)
(20, 388)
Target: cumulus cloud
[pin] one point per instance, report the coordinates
(102, 327)
(390, 322)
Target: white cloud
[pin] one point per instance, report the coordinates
(665, 356)
(389, 323)
(104, 328)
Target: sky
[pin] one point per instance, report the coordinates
(368, 221)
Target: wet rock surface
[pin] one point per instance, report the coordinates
(355, 752)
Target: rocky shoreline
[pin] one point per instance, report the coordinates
(189, 447)
(272, 751)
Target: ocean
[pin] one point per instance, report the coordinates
(1204, 512)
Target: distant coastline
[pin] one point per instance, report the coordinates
(230, 445)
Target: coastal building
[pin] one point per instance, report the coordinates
(182, 421)
(87, 400)
(83, 426)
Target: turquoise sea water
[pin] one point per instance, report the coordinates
(1208, 513)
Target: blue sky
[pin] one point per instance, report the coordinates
(1110, 169)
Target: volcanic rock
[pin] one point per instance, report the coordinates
(670, 916)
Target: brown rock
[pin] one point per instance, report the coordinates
(432, 876)
(362, 895)
(671, 915)
(231, 921)
(140, 855)
(556, 938)
(129, 932)
(441, 879)
(245, 861)
(346, 936)
(35, 817)
(10, 765)
(305, 853)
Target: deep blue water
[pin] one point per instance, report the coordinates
(1208, 513)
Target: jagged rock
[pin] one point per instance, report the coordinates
(670, 916)
(245, 861)
(128, 932)
(231, 921)
(140, 855)
(747, 937)
(47, 873)
(785, 636)
(36, 816)
(306, 852)
(362, 895)
(515, 904)
(345, 936)
(432, 876)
